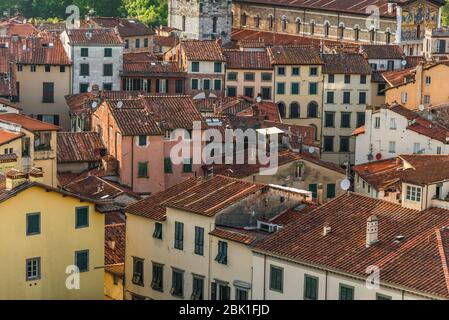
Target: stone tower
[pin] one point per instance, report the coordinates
(201, 19)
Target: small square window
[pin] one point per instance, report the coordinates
(157, 230)
(62, 69)
(108, 52)
(33, 68)
(195, 66)
(84, 52)
(347, 78)
(217, 67)
(33, 269)
(331, 78)
(295, 71)
(142, 140)
(281, 71)
(107, 70)
(142, 170)
(276, 278)
(313, 71)
(82, 217)
(47, 68)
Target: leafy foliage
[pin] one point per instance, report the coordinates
(151, 12)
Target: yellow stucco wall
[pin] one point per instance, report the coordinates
(113, 291)
(55, 245)
(31, 91)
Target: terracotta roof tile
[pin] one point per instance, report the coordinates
(95, 188)
(114, 245)
(251, 60)
(28, 122)
(152, 68)
(382, 51)
(8, 136)
(98, 36)
(234, 235)
(345, 63)
(79, 146)
(125, 27)
(399, 77)
(294, 55)
(203, 50)
(5, 158)
(170, 41)
(415, 263)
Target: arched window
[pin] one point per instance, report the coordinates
(388, 36)
(372, 35)
(294, 110)
(257, 21)
(214, 24)
(281, 108)
(326, 29)
(312, 27)
(244, 18)
(270, 22)
(284, 23)
(312, 110)
(298, 25)
(341, 31)
(356, 33)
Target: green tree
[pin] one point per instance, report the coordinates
(150, 12)
(445, 14)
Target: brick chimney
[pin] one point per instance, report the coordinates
(14, 178)
(372, 230)
(36, 175)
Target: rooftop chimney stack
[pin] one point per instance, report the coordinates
(14, 178)
(326, 229)
(372, 230)
(320, 194)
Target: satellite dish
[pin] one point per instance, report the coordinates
(311, 149)
(119, 104)
(421, 107)
(211, 95)
(404, 62)
(259, 99)
(94, 104)
(89, 89)
(345, 184)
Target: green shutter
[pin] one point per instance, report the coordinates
(313, 187)
(310, 287)
(82, 217)
(330, 191)
(143, 170)
(346, 292)
(168, 165)
(33, 223)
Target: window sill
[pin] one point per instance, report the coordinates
(138, 284)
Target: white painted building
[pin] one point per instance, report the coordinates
(355, 248)
(97, 57)
(394, 130)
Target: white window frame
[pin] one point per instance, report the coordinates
(413, 193)
(33, 271)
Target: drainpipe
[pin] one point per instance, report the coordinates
(325, 288)
(264, 275)
(132, 163)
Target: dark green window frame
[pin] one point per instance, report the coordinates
(84, 69)
(138, 268)
(330, 191)
(142, 140)
(380, 296)
(195, 66)
(280, 88)
(168, 168)
(81, 217)
(276, 278)
(310, 287)
(179, 235)
(108, 52)
(142, 169)
(84, 52)
(295, 88)
(313, 187)
(108, 70)
(266, 76)
(187, 167)
(346, 292)
(197, 288)
(177, 287)
(157, 230)
(218, 67)
(220, 291)
(199, 241)
(82, 260)
(33, 223)
(222, 255)
(157, 281)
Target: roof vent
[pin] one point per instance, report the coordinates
(326, 229)
(399, 238)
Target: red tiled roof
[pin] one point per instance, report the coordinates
(345, 63)
(251, 60)
(152, 68)
(28, 123)
(307, 133)
(163, 41)
(41, 49)
(114, 244)
(241, 236)
(7, 73)
(5, 158)
(346, 6)
(415, 263)
(139, 56)
(413, 61)
(95, 187)
(79, 146)
(202, 50)
(125, 27)
(152, 207)
(98, 36)
(18, 29)
(382, 51)
(7, 136)
(399, 77)
(359, 130)
(294, 55)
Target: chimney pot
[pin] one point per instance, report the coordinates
(326, 229)
(372, 230)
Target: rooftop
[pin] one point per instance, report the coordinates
(382, 51)
(125, 27)
(250, 60)
(105, 36)
(79, 147)
(203, 50)
(28, 123)
(294, 55)
(345, 63)
(415, 263)
(114, 248)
